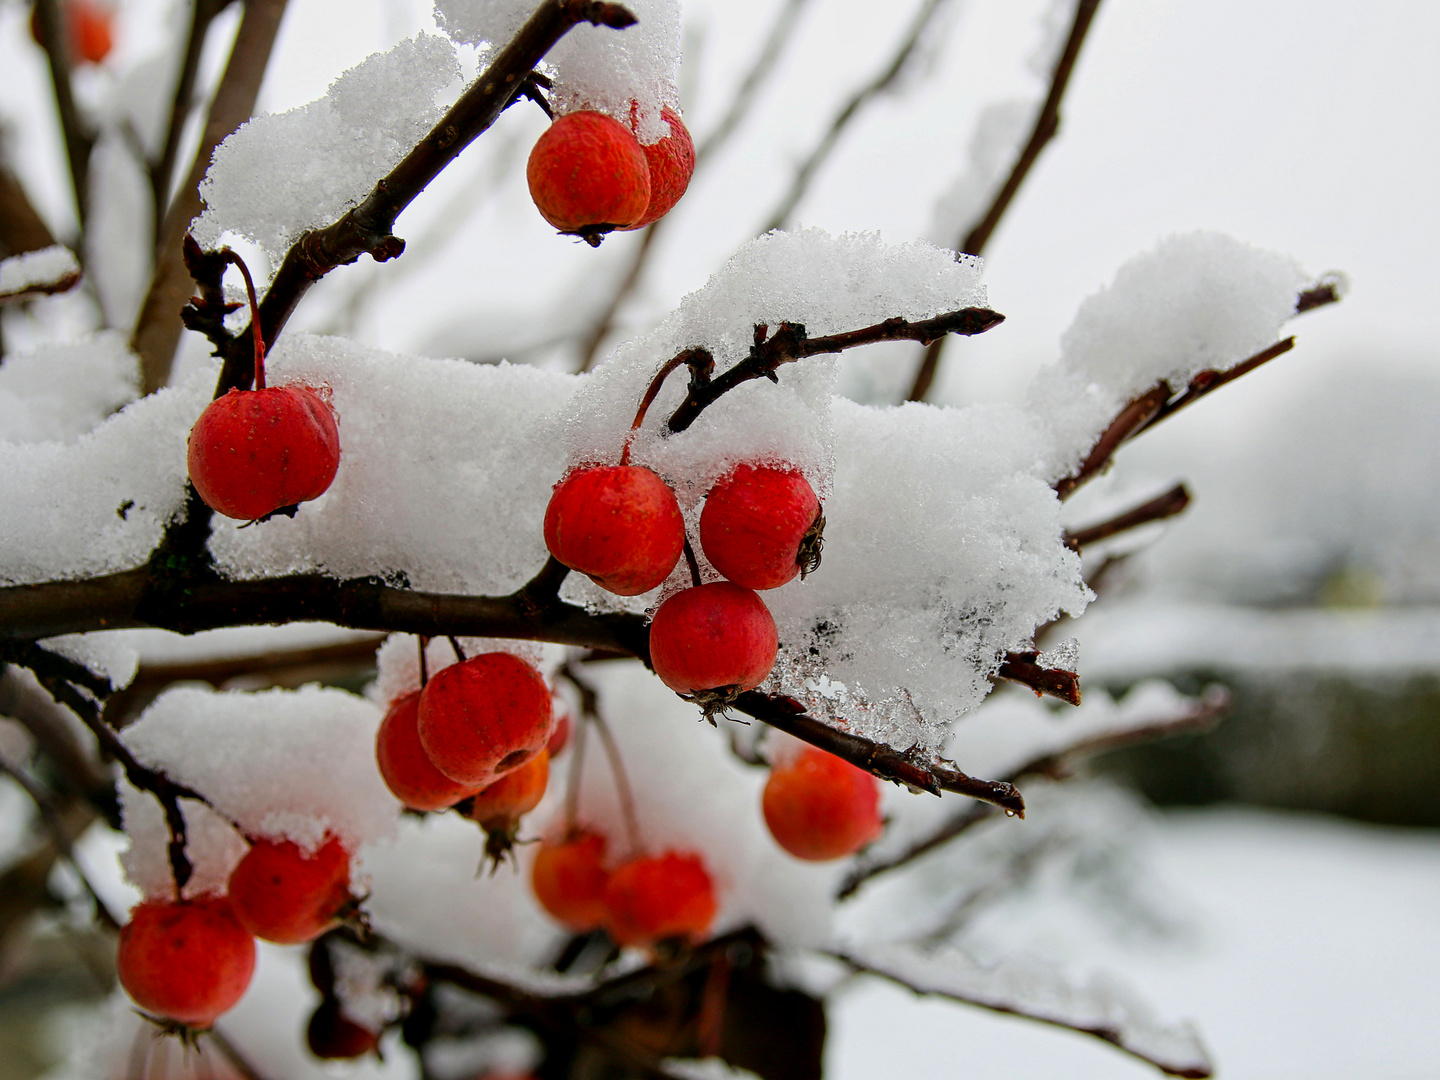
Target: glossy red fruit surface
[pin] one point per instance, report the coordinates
(569, 880)
(587, 173)
(617, 524)
(755, 524)
(255, 451)
(333, 1036)
(672, 163)
(819, 807)
(658, 897)
(502, 804)
(405, 767)
(187, 960)
(713, 637)
(481, 718)
(281, 894)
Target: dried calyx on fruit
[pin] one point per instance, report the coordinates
(762, 525)
(254, 453)
(617, 524)
(588, 175)
(499, 807)
(819, 807)
(484, 717)
(713, 642)
(185, 961)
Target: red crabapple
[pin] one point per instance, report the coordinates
(405, 767)
(333, 1036)
(672, 162)
(761, 525)
(187, 960)
(483, 717)
(713, 641)
(569, 880)
(560, 737)
(281, 894)
(253, 452)
(819, 807)
(657, 897)
(618, 524)
(498, 807)
(588, 175)
(91, 29)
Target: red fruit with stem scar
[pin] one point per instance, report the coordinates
(588, 175)
(819, 807)
(672, 163)
(257, 452)
(405, 767)
(657, 897)
(189, 960)
(713, 641)
(761, 526)
(569, 879)
(283, 894)
(618, 524)
(483, 717)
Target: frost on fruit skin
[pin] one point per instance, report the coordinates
(715, 637)
(253, 452)
(281, 894)
(569, 879)
(405, 767)
(754, 523)
(672, 163)
(618, 524)
(819, 807)
(189, 961)
(484, 717)
(588, 175)
(657, 897)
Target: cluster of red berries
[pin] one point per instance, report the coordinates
(91, 27)
(258, 452)
(621, 526)
(589, 175)
(189, 961)
(640, 902)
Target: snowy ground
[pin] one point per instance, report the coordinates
(1312, 954)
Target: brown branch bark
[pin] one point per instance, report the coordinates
(1020, 667)
(367, 229)
(1047, 125)
(1159, 508)
(790, 343)
(1056, 766)
(22, 229)
(886, 78)
(158, 327)
(78, 137)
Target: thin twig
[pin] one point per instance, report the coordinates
(1056, 765)
(882, 82)
(78, 135)
(202, 13)
(1047, 124)
(590, 710)
(1159, 508)
(605, 322)
(1021, 667)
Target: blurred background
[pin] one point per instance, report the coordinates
(1293, 849)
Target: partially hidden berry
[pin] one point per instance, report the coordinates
(405, 767)
(617, 524)
(569, 879)
(333, 1036)
(283, 894)
(819, 807)
(189, 961)
(658, 897)
(253, 452)
(588, 175)
(713, 641)
(91, 29)
(672, 163)
(560, 737)
(761, 526)
(498, 807)
(483, 717)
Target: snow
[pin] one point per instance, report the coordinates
(593, 67)
(281, 174)
(33, 271)
(60, 391)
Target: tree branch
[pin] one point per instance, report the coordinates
(1159, 508)
(367, 229)
(1057, 765)
(790, 343)
(1047, 125)
(1020, 667)
(158, 327)
(875, 87)
(22, 229)
(79, 138)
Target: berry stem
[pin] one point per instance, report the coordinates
(692, 562)
(455, 644)
(424, 669)
(622, 784)
(572, 787)
(700, 363)
(232, 257)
